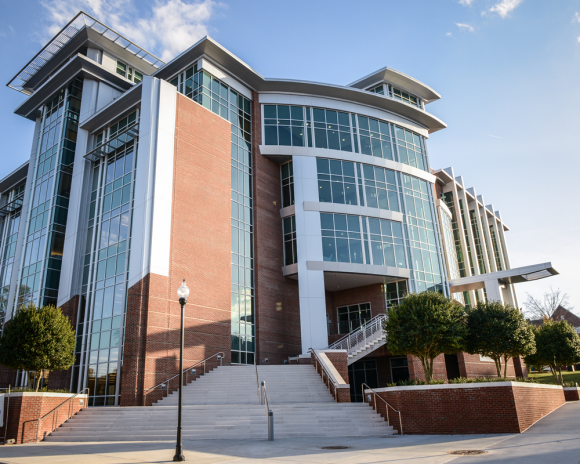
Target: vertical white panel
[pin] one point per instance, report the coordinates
(151, 225)
(311, 291)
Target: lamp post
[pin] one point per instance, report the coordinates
(182, 293)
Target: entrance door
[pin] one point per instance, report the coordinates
(362, 372)
(452, 366)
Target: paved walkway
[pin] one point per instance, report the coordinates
(555, 438)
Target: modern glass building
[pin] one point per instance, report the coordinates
(296, 211)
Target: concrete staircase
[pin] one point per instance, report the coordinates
(362, 341)
(224, 404)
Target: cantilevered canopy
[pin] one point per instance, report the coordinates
(30, 76)
(509, 276)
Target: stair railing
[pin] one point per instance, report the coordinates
(55, 425)
(269, 412)
(257, 382)
(360, 336)
(384, 401)
(332, 383)
(165, 383)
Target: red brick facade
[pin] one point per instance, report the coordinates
(339, 361)
(572, 393)
(26, 408)
(200, 253)
(277, 304)
(469, 409)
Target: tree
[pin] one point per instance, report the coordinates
(37, 340)
(425, 325)
(497, 330)
(557, 344)
(544, 308)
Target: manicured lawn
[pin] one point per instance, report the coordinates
(549, 378)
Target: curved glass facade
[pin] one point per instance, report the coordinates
(289, 125)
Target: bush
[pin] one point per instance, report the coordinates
(489, 379)
(410, 382)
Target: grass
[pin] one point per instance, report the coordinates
(549, 378)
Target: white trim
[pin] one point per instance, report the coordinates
(353, 209)
(48, 394)
(354, 268)
(464, 385)
(280, 150)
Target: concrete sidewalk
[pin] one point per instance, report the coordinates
(555, 438)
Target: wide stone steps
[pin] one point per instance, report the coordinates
(224, 404)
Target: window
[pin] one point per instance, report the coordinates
(405, 97)
(448, 198)
(495, 247)
(395, 292)
(410, 151)
(332, 129)
(363, 371)
(387, 244)
(128, 72)
(284, 125)
(380, 89)
(477, 241)
(352, 317)
(290, 252)
(375, 138)
(421, 229)
(380, 188)
(336, 182)
(341, 238)
(399, 369)
(287, 184)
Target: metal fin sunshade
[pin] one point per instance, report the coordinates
(79, 22)
(111, 145)
(13, 206)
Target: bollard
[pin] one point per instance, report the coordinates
(270, 425)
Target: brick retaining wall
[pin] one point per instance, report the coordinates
(572, 393)
(499, 407)
(27, 407)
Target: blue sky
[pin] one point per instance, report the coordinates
(508, 72)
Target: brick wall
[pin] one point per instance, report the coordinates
(339, 360)
(445, 409)
(416, 368)
(200, 253)
(471, 365)
(277, 304)
(373, 294)
(26, 408)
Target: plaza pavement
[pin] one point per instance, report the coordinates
(554, 439)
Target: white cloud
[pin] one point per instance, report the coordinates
(577, 17)
(449, 34)
(578, 39)
(505, 7)
(166, 29)
(466, 2)
(465, 27)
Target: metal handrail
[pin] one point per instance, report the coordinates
(55, 421)
(385, 401)
(325, 371)
(269, 412)
(359, 337)
(166, 382)
(257, 381)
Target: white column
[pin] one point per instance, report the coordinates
(493, 290)
(313, 329)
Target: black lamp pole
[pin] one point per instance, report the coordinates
(183, 293)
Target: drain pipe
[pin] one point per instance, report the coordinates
(270, 425)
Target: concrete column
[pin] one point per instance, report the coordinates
(493, 290)
(311, 291)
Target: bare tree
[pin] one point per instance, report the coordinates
(537, 308)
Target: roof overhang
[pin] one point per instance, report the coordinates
(235, 67)
(399, 79)
(79, 64)
(509, 276)
(14, 178)
(83, 29)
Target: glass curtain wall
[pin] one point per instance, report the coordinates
(287, 125)
(453, 263)
(477, 240)
(9, 226)
(448, 199)
(495, 247)
(49, 198)
(105, 272)
(224, 101)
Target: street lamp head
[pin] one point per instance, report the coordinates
(183, 291)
